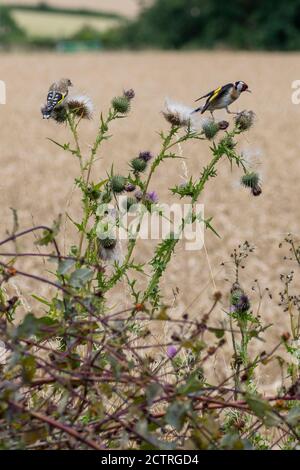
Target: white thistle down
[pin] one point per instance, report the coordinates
(81, 105)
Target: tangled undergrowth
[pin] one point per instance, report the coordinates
(76, 374)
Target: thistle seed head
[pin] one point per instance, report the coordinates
(81, 105)
(177, 114)
(244, 120)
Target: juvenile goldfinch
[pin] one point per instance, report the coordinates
(222, 97)
(57, 93)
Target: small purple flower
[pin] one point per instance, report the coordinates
(129, 187)
(145, 156)
(139, 195)
(171, 351)
(152, 197)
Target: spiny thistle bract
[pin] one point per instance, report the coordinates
(128, 203)
(244, 120)
(118, 183)
(252, 181)
(239, 300)
(121, 104)
(228, 142)
(210, 128)
(138, 165)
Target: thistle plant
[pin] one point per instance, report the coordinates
(74, 369)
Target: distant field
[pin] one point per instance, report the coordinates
(38, 24)
(124, 7)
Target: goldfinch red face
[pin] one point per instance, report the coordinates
(241, 86)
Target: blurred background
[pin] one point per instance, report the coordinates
(167, 24)
(165, 48)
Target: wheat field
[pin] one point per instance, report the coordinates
(124, 7)
(37, 177)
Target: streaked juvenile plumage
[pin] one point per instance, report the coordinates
(57, 93)
(222, 97)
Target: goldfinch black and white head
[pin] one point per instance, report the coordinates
(57, 93)
(222, 97)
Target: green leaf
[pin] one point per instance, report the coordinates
(80, 277)
(50, 234)
(28, 368)
(152, 391)
(41, 300)
(293, 417)
(142, 428)
(65, 266)
(263, 410)
(176, 414)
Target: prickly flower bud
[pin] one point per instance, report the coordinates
(117, 183)
(138, 165)
(121, 104)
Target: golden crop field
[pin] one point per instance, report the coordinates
(37, 177)
(37, 24)
(124, 7)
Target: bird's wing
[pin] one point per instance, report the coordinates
(217, 92)
(54, 98)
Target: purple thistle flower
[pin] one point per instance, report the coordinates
(171, 351)
(145, 156)
(138, 195)
(152, 197)
(129, 187)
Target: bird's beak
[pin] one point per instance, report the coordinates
(249, 91)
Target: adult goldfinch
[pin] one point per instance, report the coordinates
(57, 93)
(222, 97)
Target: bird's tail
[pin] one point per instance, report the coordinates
(46, 111)
(197, 110)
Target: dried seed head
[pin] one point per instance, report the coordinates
(244, 120)
(81, 106)
(108, 243)
(177, 114)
